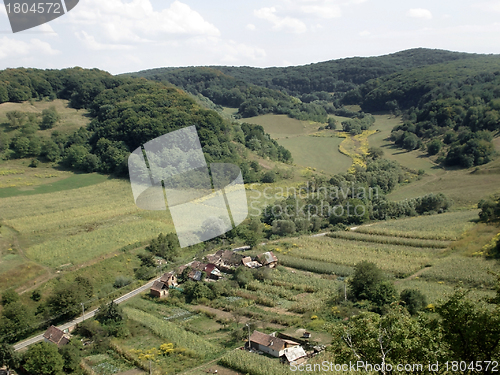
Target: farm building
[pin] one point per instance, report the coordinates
(268, 259)
(225, 260)
(169, 279)
(159, 289)
(295, 356)
(212, 271)
(248, 262)
(271, 344)
(56, 336)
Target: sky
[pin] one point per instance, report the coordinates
(122, 36)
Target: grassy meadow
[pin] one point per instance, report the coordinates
(321, 153)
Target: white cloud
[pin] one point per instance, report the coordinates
(326, 10)
(419, 13)
(122, 22)
(13, 48)
(91, 43)
(364, 33)
(235, 52)
(251, 27)
(281, 23)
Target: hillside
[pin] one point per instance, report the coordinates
(450, 100)
(125, 113)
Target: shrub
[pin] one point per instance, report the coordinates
(414, 300)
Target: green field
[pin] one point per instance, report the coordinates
(282, 126)
(446, 226)
(70, 119)
(414, 159)
(320, 153)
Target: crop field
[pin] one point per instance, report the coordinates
(171, 332)
(471, 271)
(400, 260)
(282, 126)
(80, 248)
(438, 290)
(447, 226)
(106, 364)
(465, 187)
(320, 153)
(390, 240)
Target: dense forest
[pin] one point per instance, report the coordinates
(449, 109)
(449, 101)
(251, 100)
(126, 113)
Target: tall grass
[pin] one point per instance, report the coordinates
(375, 231)
(83, 247)
(399, 260)
(173, 333)
(448, 226)
(316, 266)
(390, 240)
(458, 269)
(253, 364)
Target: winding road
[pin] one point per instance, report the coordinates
(90, 314)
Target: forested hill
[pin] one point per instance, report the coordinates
(331, 76)
(320, 87)
(451, 109)
(450, 101)
(125, 112)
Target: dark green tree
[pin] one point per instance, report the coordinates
(413, 299)
(9, 296)
(165, 246)
(8, 356)
(43, 359)
(471, 329)
(49, 118)
(434, 146)
(365, 281)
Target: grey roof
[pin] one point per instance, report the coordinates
(295, 353)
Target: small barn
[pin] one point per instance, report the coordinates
(270, 344)
(56, 336)
(159, 289)
(268, 259)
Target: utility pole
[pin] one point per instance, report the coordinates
(345, 289)
(83, 311)
(248, 335)
(149, 367)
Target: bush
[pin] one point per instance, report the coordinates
(413, 299)
(434, 146)
(121, 281)
(283, 227)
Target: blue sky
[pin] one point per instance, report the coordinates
(129, 35)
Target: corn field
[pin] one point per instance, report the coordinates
(390, 240)
(173, 333)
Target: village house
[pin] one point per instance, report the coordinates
(169, 279)
(159, 289)
(271, 344)
(225, 260)
(212, 271)
(268, 259)
(56, 336)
